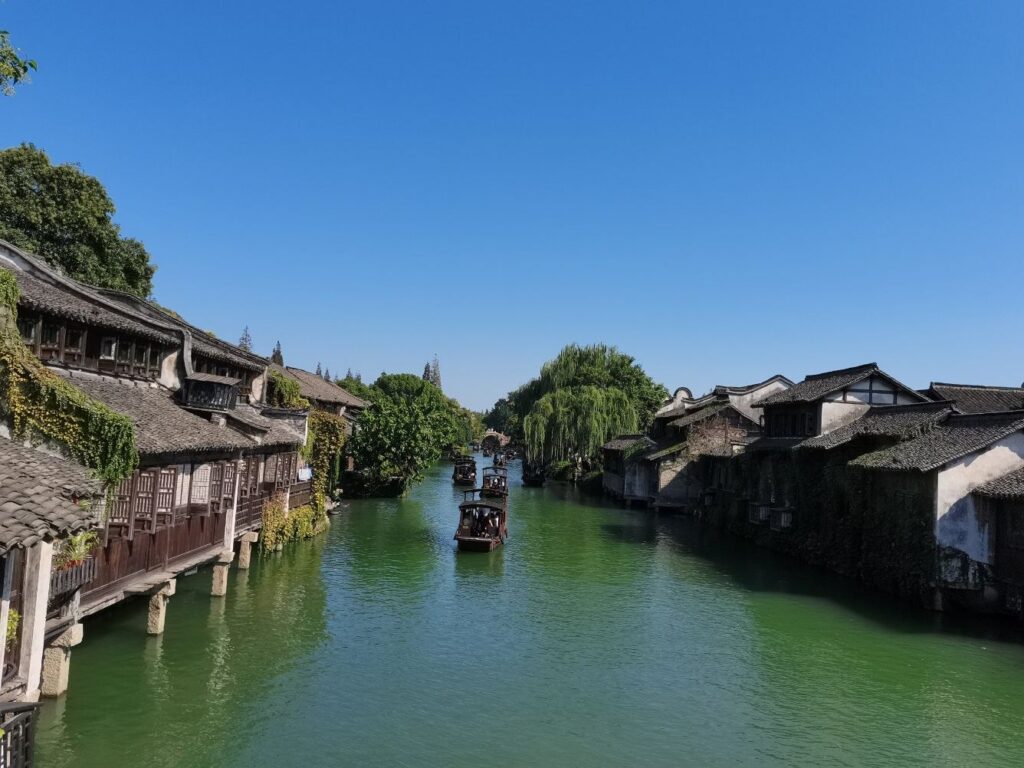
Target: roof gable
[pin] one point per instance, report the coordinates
(821, 385)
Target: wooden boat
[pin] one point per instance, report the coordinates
(483, 522)
(495, 483)
(487, 453)
(499, 459)
(464, 472)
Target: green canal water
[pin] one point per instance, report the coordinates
(596, 637)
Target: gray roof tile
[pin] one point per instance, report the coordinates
(973, 398)
(957, 436)
(43, 497)
(901, 422)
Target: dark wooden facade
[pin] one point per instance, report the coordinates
(61, 342)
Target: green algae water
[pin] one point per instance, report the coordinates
(596, 637)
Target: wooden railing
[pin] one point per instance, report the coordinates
(300, 494)
(69, 579)
(18, 739)
(249, 514)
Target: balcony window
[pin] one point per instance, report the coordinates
(51, 335)
(73, 338)
(27, 329)
(108, 348)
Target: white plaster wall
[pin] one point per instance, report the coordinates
(169, 375)
(834, 415)
(957, 523)
(256, 393)
(744, 403)
(637, 480)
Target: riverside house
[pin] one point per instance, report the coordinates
(931, 509)
(210, 453)
(692, 434)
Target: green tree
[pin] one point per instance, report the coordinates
(65, 216)
(355, 385)
(583, 397)
(13, 68)
(245, 342)
(409, 426)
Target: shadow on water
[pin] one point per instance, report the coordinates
(756, 569)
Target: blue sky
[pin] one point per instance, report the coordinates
(723, 190)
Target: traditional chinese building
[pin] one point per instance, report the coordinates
(210, 453)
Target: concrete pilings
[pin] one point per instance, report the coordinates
(157, 617)
(57, 662)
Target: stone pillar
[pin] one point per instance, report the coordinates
(220, 573)
(158, 609)
(57, 662)
(38, 565)
(231, 517)
(245, 549)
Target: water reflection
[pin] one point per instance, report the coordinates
(595, 637)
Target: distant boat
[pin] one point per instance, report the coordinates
(483, 522)
(464, 472)
(499, 459)
(495, 483)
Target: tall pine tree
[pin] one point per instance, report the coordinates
(276, 356)
(435, 373)
(245, 342)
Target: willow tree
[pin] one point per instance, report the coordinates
(576, 422)
(581, 398)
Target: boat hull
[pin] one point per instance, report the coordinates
(477, 543)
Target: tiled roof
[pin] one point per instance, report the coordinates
(773, 443)
(1009, 486)
(80, 304)
(203, 343)
(313, 387)
(707, 412)
(895, 421)
(270, 431)
(624, 442)
(161, 425)
(42, 497)
(669, 450)
(957, 436)
(820, 384)
(973, 398)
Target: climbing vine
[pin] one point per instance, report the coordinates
(41, 403)
(281, 525)
(324, 443)
(285, 392)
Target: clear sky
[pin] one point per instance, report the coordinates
(723, 190)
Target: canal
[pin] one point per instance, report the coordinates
(596, 637)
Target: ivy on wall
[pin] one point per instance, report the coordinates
(324, 443)
(281, 525)
(285, 392)
(41, 404)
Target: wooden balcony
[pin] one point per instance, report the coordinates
(67, 580)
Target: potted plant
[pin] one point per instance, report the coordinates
(75, 550)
